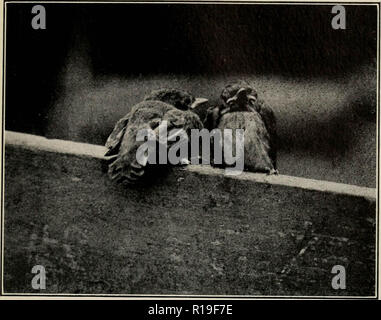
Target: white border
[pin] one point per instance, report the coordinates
(33, 296)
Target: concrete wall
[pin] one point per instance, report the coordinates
(193, 231)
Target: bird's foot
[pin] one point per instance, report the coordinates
(272, 171)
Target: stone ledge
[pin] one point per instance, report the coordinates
(33, 142)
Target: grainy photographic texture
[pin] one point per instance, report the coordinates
(85, 213)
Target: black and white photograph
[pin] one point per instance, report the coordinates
(211, 149)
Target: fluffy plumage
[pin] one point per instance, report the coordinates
(241, 109)
(166, 104)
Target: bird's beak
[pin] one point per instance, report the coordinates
(243, 92)
(197, 102)
(230, 100)
(240, 94)
(252, 98)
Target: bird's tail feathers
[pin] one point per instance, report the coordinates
(127, 173)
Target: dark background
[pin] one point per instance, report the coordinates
(96, 44)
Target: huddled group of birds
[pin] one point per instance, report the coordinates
(239, 108)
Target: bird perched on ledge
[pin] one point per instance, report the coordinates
(241, 109)
(171, 105)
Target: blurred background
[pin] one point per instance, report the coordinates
(93, 62)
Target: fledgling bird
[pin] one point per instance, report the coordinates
(174, 106)
(241, 109)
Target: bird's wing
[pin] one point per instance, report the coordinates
(213, 116)
(115, 139)
(126, 167)
(268, 117)
(185, 120)
(256, 155)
